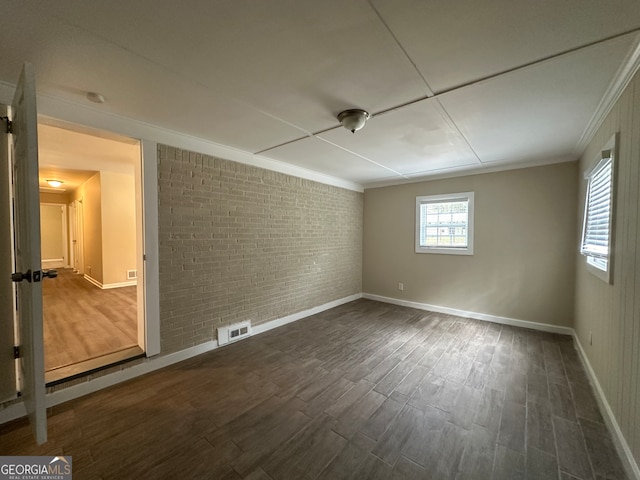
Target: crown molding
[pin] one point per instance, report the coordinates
(64, 111)
(623, 76)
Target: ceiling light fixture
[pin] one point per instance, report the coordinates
(95, 97)
(55, 183)
(353, 119)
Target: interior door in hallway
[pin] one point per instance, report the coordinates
(53, 238)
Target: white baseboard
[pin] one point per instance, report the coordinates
(263, 327)
(52, 263)
(90, 279)
(130, 283)
(151, 364)
(105, 286)
(630, 464)
(475, 315)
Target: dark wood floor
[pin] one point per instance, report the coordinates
(82, 321)
(363, 391)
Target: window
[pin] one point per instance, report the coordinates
(444, 224)
(596, 230)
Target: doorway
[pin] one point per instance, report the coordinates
(93, 312)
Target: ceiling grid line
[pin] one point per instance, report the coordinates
(430, 91)
(436, 96)
(451, 87)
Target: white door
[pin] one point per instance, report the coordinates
(27, 251)
(80, 235)
(53, 238)
(75, 222)
(72, 236)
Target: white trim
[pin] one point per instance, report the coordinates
(449, 197)
(129, 283)
(17, 410)
(609, 153)
(62, 109)
(630, 465)
(92, 280)
(623, 76)
(263, 327)
(107, 286)
(151, 263)
(52, 263)
(467, 171)
(543, 327)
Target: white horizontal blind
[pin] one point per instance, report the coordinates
(444, 223)
(597, 221)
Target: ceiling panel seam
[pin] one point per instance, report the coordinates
(457, 88)
(454, 125)
(537, 62)
(362, 157)
(430, 91)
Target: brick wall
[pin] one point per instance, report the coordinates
(242, 243)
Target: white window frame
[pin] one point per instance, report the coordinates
(451, 197)
(593, 259)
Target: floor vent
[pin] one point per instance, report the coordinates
(132, 274)
(232, 333)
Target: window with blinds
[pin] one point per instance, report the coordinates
(596, 231)
(444, 224)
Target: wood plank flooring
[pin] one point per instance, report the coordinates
(82, 321)
(363, 391)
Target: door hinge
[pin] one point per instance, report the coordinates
(9, 124)
(16, 352)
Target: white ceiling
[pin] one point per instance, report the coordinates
(452, 86)
(73, 157)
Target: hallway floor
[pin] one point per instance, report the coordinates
(82, 321)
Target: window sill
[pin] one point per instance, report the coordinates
(605, 276)
(446, 251)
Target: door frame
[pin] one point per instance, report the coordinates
(147, 295)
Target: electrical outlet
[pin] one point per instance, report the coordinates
(400, 286)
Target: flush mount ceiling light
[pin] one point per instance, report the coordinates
(95, 97)
(353, 119)
(55, 183)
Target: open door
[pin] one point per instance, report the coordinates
(28, 273)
